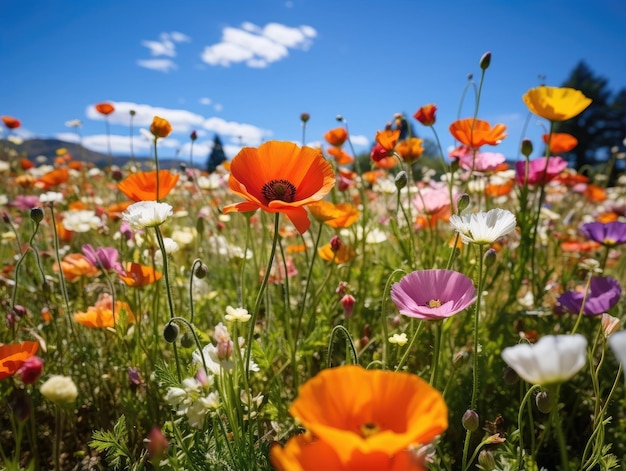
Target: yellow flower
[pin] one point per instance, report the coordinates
(160, 127)
(556, 103)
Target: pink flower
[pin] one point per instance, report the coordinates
(538, 173)
(31, 369)
(483, 162)
(103, 257)
(348, 305)
(432, 199)
(433, 294)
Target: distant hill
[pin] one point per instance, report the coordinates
(33, 148)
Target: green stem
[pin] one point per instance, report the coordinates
(408, 349)
(520, 449)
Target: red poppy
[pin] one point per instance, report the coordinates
(105, 108)
(26, 164)
(426, 115)
(141, 186)
(13, 356)
(10, 122)
(475, 133)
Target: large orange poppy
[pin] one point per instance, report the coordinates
(475, 133)
(137, 275)
(304, 452)
(280, 177)
(101, 314)
(359, 411)
(141, 186)
(13, 356)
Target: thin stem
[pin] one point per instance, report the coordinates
(520, 449)
(408, 349)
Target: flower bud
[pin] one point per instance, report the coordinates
(544, 402)
(339, 118)
(486, 460)
(134, 376)
(335, 244)
(463, 202)
(5, 217)
(201, 271)
(490, 257)
(194, 135)
(160, 127)
(401, 180)
(470, 420)
(510, 376)
(304, 117)
(156, 444)
(36, 214)
(527, 147)
(31, 369)
(170, 332)
(132, 112)
(187, 341)
(348, 304)
(485, 60)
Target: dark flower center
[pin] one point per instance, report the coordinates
(282, 190)
(369, 428)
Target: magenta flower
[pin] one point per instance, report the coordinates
(104, 258)
(433, 294)
(604, 293)
(537, 168)
(482, 162)
(609, 234)
(25, 202)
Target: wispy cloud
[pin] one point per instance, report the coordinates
(257, 47)
(165, 46)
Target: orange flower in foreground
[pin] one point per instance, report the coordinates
(280, 177)
(560, 142)
(10, 122)
(76, 265)
(54, 178)
(13, 356)
(104, 108)
(101, 314)
(336, 137)
(410, 149)
(357, 411)
(304, 452)
(340, 156)
(160, 127)
(335, 215)
(137, 275)
(476, 133)
(141, 186)
(388, 138)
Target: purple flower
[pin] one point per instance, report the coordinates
(25, 202)
(610, 233)
(433, 294)
(104, 257)
(604, 293)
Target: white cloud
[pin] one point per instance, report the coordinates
(257, 47)
(218, 107)
(162, 65)
(180, 37)
(205, 101)
(245, 134)
(360, 140)
(68, 137)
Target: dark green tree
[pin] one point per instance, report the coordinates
(217, 155)
(601, 126)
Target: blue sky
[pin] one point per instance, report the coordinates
(247, 69)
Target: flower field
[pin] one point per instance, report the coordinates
(300, 308)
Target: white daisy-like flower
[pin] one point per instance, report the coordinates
(51, 197)
(238, 314)
(553, 359)
(399, 339)
(146, 214)
(484, 227)
(81, 221)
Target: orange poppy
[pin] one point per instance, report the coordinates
(343, 255)
(388, 138)
(476, 133)
(570, 177)
(336, 137)
(560, 142)
(303, 452)
(410, 149)
(101, 314)
(75, 265)
(595, 193)
(141, 186)
(26, 164)
(63, 233)
(608, 216)
(25, 181)
(296, 248)
(355, 410)
(115, 210)
(75, 165)
(340, 156)
(335, 215)
(386, 162)
(137, 275)
(280, 177)
(13, 356)
(494, 189)
(10, 122)
(160, 127)
(427, 115)
(372, 176)
(104, 108)
(580, 246)
(54, 178)
(77, 205)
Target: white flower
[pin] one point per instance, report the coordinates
(617, 341)
(238, 314)
(51, 197)
(146, 214)
(199, 408)
(4, 166)
(484, 227)
(81, 221)
(59, 389)
(184, 235)
(553, 359)
(399, 339)
(175, 396)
